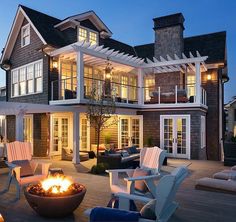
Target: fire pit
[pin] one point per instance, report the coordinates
(56, 196)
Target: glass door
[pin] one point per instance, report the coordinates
(60, 135)
(175, 135)
(130, 132)
(28, 128)
(84, 134)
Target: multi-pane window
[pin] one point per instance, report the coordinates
(93, 38)
(27, 79)
(88, 36)
(82, 34)
(149, 83)
(191, 89)
(25, 35)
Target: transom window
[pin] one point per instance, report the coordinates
(27, 79)
(25, 35)
(88, 36)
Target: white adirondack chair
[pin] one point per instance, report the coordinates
(23, 151)
(165, 190)
(150, 159)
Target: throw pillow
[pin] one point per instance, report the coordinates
(26, 169)
(148, 210)
(140, 185)
(124, 153)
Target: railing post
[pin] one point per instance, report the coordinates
(52, 91)
(176, 94)
(159, 94)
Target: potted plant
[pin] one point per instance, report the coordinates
(107, 138)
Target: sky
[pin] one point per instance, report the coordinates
(131, 21)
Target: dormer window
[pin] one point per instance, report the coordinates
(25, 35)
(88, 36)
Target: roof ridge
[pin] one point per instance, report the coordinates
(23, 6)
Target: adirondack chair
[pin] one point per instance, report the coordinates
(22, 151)
(150, 159)
(165, 204)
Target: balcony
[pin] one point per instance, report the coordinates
(172, 94)
(181, 95)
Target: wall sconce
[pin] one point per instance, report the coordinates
(209, 76)
(54, 64)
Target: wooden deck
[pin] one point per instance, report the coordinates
(195, 205)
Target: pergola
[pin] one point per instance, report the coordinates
(95, 55)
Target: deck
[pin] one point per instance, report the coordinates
(195, 205)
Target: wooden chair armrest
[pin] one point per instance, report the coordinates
(142, 177)
(45, 166)
(12, 165)
(120, 171)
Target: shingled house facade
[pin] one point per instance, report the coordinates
(168, 93)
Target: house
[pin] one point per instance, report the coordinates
(169, 91)
(230, 113)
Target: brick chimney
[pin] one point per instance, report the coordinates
(169, 35)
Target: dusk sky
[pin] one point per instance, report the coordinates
(131, 21)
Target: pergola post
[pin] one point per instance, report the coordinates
(140, 87)
(19, 127)
(80, 76)
(76, 137)
(198, 82)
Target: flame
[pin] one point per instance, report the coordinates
(57, 184)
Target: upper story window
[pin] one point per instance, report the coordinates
(27, 79)
(25, 35)
(88, 36)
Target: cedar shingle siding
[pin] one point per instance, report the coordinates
(22, 56)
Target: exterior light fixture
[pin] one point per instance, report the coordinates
(108, 70)
(209, 77)
(54, 64)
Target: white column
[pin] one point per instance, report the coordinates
(198, 82)
(140, 85)
(20, 127)
(76, 137)
(80, 75)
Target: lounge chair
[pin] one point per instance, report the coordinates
(21, 166)
(162, 207)
(216, 185)
(151, 159)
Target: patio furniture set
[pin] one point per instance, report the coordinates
(146, 184)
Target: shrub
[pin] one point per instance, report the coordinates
(100, 168)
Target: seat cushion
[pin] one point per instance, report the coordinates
(225, 175)
(148, 210)
(26, 169)
(140, 185)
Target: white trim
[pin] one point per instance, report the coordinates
(83, 116)
(203, 132)
(188, 134)
(31, 116)
(21, 37)
(88, 32)
(25, 66)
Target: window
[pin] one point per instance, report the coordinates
(149, 83)
(203, 131)
(27, 79)
(93, 38)
(25, 35)
(191, 81)
(82, 34)
(88, 36)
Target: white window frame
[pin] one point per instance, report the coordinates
(34, 79)
(27, 26)
(203, 132)
(88, 33)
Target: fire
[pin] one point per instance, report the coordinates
(56, 184)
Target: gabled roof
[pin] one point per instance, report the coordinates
(92, 16)
(145, 51)
(230, 102)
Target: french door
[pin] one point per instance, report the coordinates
(84, 134)
(60, 134)
(28, 128)
(130, 131)
(175, 135)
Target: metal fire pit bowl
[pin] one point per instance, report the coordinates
(56, 206)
